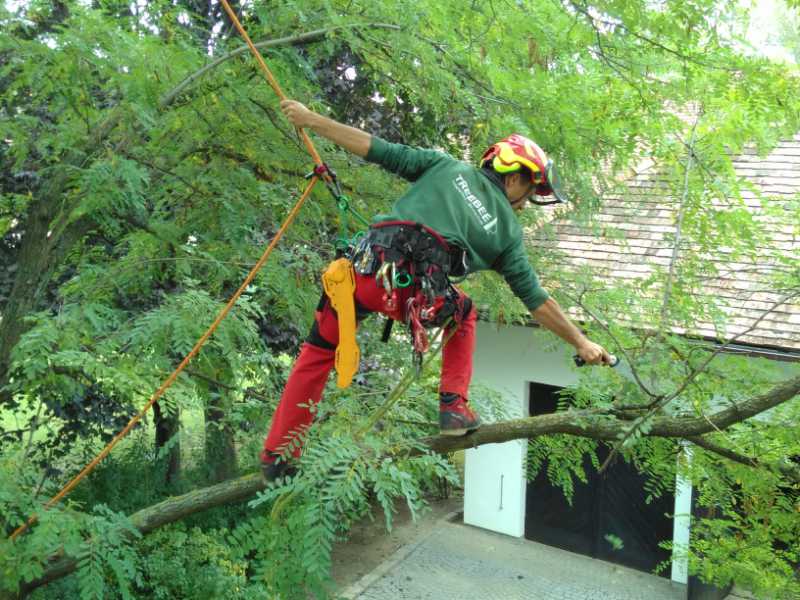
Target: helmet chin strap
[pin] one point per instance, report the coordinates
(519, 203)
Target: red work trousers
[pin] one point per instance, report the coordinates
(310, 372)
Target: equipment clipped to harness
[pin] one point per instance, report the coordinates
(339, 283)
(402, 254)
(344, 244)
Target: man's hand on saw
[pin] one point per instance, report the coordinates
(594, 354)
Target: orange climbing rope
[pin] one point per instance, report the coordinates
(320, 172)
(270, 79)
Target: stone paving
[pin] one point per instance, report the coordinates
(457, 561)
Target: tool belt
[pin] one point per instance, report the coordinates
(401, 254)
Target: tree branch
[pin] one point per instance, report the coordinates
(619, 347)
(590, 423)
(168, 511)
(291, 40)
(676, 246)
(225, 386)
(661, 401)
(789, 471)
(583, 9)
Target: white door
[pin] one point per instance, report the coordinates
(494, 487)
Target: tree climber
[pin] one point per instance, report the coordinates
(455, 219)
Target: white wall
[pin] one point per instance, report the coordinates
(681, 524)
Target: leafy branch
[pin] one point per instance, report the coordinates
(594, 20)
(291, 40)
(791, 472)
(597, 424)
(662, 402)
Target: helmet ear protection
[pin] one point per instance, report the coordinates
(516, 151)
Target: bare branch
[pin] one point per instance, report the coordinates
(291, 40)
(225, 386)
(676, 245)
(618, 346)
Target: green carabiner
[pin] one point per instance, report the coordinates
(403, 280)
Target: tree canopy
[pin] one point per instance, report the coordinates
(145, 165)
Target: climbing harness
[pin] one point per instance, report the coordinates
(404, 253)
(399, 255)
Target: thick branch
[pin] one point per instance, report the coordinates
(291, 40)
(167, 511)
(592, 423)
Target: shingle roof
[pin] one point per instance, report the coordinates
(633, 237)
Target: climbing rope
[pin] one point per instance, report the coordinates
(320, 172)
(171, 379)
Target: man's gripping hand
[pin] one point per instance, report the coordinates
(351, 139)
(593, 354)
(297, 113)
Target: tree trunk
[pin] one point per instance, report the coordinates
(34, 269)
(46, 240)
(167, 428)
(220, 447)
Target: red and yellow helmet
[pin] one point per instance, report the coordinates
(516, 151)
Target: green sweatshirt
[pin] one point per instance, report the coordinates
(465, 208)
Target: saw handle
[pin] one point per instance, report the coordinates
(579, 362)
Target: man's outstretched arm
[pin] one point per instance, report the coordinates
(351, 139)
(550, 316)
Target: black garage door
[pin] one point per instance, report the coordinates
(609, 505)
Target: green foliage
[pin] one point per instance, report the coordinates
(309, 513)
(130, 210)
(563, 456)
(107, 549)
(749, 529)
(193, 563)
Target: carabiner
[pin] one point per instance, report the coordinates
(382, 277)
(403, 280)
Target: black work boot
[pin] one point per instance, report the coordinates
(276, 469)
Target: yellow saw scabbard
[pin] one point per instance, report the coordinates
(339, 282)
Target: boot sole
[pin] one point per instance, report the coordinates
(287, 473)
(458, 432)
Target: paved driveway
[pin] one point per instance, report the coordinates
(456, 561)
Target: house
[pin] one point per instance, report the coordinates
(636, 237)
